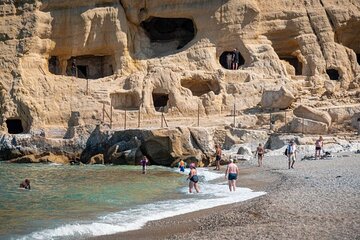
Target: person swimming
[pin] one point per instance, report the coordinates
(194, 179)
(25, 184)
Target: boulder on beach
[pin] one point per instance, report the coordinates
(301, 125)
(277, 99)
(307, 112)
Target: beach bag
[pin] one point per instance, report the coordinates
(286, 151)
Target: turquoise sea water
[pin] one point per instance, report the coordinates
(77, 202)
(65, 194)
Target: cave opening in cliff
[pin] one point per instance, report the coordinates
(227, 60)
(172, 33)
(199, 87)
(160, 101)
(293, 61)
(14, 126)
(333, 74)
(90, 66)
(358, 58)
(54, 65)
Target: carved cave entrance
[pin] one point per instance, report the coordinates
(14, 126)
(89, 66)
(170, 33)
(160, 101)
(333, 74)
(125, 101)
(200, 87)
(226, 59)
(293, 61)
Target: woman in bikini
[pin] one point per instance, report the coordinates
(260, 154)
(319, 144)
(194, 179)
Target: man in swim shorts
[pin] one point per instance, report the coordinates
(232, 172)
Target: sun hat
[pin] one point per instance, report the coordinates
(192, 165)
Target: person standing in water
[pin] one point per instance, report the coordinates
(260, 154)
(25, 184)
(232, 172)
(182, 166)
(194, 179)
(218, 153)
(144, 161)
(319, 144)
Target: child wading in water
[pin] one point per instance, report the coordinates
(143, 162)
(194, 179)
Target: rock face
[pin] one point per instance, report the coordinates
(307, 126)
(312, 114)
(280, 99)
(168, 56)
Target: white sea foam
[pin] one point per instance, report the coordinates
(211, 195)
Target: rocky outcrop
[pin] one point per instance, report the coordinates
(312, 114)
(280, 99)
(307, 126)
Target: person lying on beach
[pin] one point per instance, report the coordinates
(232, 172)
(194, 179)
(25, 184)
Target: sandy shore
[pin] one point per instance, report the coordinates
(316, 200)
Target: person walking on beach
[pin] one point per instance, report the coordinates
(291, 153)
(182, 166)
(260, 154)
(144, 161)
(232, 172)
(25, 184)
(194, 179)
(218, 153)
(319, 144)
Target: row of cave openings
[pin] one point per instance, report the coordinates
(161, 97)
(169, 35)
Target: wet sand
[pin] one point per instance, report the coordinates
(319, 199)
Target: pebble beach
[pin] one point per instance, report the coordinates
(318, 199)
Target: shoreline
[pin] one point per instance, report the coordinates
(163, 228)
(304, 200)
